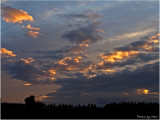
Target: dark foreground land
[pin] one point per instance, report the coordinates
(122, 110)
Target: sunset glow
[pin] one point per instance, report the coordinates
(80, 52)
(143, 91)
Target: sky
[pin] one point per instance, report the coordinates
(80, 52)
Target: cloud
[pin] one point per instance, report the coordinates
(7, 53)
(147, 44)
(74, 55)
(85, 15)
(34, 31)
(32, 28)
(28, 71)
(84, 80)
(82, 34)
(111, 86)
(73, 60)
(14, 15)
(118, 55)
(41, 97)
(33, 34)
(66, 66)
(80, 18)
(140, 68)
(133, 35)
(139, 51)
(28, 60)
(145, 91)
(27, 84)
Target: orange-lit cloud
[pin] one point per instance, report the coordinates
(72, 63)
(77, 59)
(154, 39)
(143, 91)
(64, 61)
(33, 34)
(27, 84)
(7, 53)
(32, 28)
(118, 55)
(107, 71)
(52, 74)
(28, 60)
(89, 71)
(146, 91)
(41, 98)
(14, 15)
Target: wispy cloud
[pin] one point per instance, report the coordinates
(131, 35)
(33, 34)
(32, 28)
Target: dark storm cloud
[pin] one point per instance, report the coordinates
(138, 78)
(88, 28)
(108, 85)
(25, 71)
(84, 33)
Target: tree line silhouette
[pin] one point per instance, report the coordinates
(37, 110)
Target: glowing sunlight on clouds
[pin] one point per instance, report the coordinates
(28, 60)
(32, 28)
(7, 53)
(27, 84)
(146, 91)
(118, 55)
(14, 15)
(33, 34)
(41, 97)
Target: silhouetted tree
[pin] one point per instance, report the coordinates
(39, 105)
(29, 101)
(36, 109)
(32, 104)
